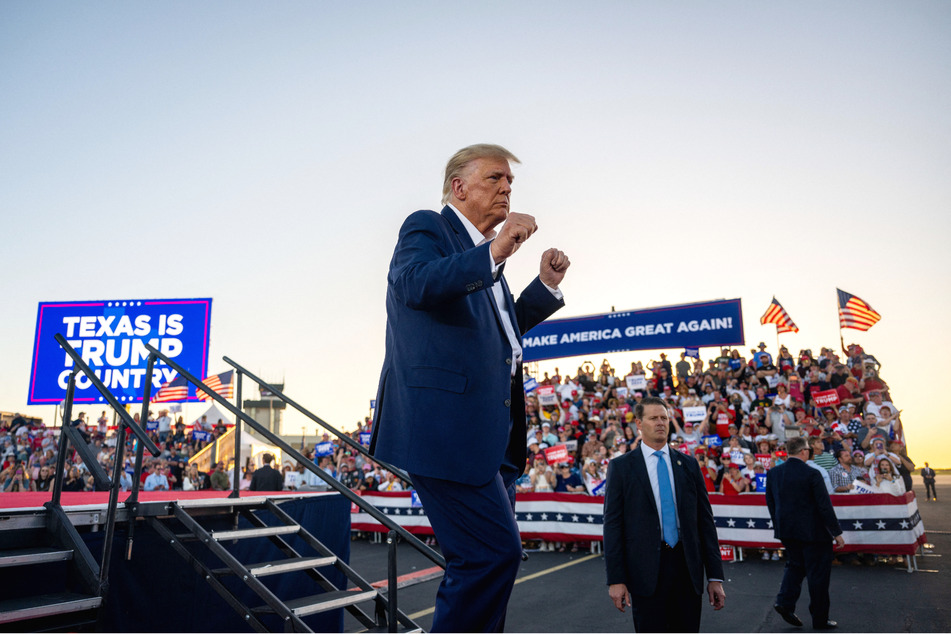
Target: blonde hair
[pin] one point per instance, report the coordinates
(459, 161)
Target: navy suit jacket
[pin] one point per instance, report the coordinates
(446, 393)
(799, 503)
(632, 530)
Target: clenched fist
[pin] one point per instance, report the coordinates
(553, 267)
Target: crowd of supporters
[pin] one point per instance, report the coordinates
(750, 407)
(733, 415)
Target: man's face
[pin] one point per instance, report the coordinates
(654, 425)
(485, 191)
(845, 458)
(876, 397)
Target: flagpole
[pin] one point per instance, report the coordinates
(837, 308)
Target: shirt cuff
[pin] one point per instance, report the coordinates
(554, 291)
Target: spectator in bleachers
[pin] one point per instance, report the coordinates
(157, 480)
(875, 456)
(734, 483)
(886, 479)
(905, 466)
(843, 474)
(541, 476)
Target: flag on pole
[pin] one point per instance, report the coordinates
(855, 313)
(776, 314)
(174, 390)
(222, 383)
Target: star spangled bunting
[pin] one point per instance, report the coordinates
(222, 383)
(776, 314)
(172, 391)
(855, 313)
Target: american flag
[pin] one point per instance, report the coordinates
(855, 313)
(776, 314)
(222, 383)
(174, 390)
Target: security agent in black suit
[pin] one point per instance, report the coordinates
(805, 522)
(267, 478)
(656, 549)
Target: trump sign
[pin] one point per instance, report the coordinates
(111, 336)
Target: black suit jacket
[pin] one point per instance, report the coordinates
(266, 479)
(799, 503)
(632, 531)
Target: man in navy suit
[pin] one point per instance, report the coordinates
(805, 522)
(659, 534)
(450, 404)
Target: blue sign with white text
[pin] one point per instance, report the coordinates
(717, 323)
(110, 336)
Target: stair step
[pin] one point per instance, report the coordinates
(266, 568)
(30, 556)
(324, 602)
(245, 533)
(44, 605)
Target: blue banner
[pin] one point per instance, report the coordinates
(365, 438)
(530, 384)
(324, 449)
(718, 323)
(202, 436)
(110, 338)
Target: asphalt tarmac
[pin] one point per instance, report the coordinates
(566, 592)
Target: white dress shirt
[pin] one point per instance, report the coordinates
(497, 291)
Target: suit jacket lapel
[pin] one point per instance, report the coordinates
(464, 241)
(680, 478)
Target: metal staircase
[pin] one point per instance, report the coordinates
(46, 546)
(184, 530)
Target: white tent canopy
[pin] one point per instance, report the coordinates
(214, 414)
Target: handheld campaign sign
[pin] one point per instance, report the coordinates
(529, 384)
(110, 336)
(546, 395)
(636, 382)
(365, 438)
(826, 398)
(695, 414)
(324, 449)
(712, 440)
(556, 454)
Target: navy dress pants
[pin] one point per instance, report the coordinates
(476, 530)
(811, 561)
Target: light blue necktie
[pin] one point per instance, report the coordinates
(668, 510)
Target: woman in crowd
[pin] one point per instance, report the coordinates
(44, 480)
(887, 480)
(593, 475)
(246, 478)
(541, 476)
(733, 482)
(193, 480)
(20, 480)
(74, 482)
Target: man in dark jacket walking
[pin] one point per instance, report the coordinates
(805, 522)
(267, 478)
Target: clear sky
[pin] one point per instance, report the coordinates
(265, 155)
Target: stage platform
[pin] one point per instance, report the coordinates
(156, 589)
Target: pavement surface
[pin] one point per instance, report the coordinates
(566, 592)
